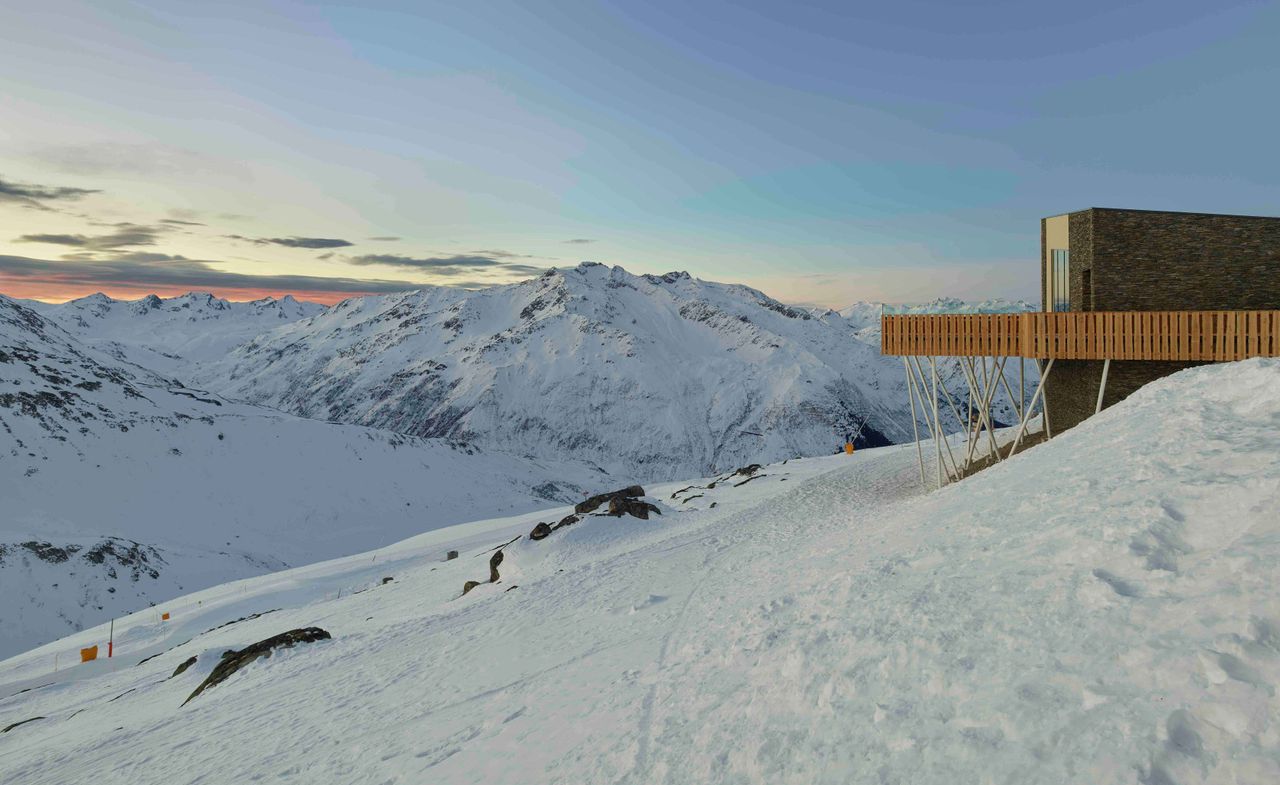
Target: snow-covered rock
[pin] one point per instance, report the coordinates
(1099, 609)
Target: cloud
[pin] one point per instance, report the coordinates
(176, 222)
(454, 265)
(126, 235)
(504, 255)
(427, 263)
(294, 242)
(579, 241)
(386, 239)
(141, 273)
(33, 196)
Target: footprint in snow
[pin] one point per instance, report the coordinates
(648, 602)
(1119, 585)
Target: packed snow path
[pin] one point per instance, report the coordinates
(1099, 609)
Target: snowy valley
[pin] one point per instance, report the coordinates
(122, 487)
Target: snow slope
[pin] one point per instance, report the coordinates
(656, 377)
(1099, 609)
(121, 487)
(171, 335)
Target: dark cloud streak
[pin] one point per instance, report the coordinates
(162, 271)
(126, 235)
(33, 197)
(293, 242)
(448, 266)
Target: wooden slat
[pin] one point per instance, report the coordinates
(1127, 335)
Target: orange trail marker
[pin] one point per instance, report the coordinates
(90, 653)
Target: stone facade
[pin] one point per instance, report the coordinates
(1141, 260)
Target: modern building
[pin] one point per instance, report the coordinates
(1106, 260)
(1128, 296)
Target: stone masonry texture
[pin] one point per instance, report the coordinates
(1142, 260)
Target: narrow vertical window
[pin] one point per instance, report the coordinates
(1060, 281)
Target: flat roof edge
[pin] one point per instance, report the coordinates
(1163, 212)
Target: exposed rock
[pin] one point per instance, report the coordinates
(540, 532)
(633, 507)
(8, 728)
(181, 669)
(543, 530)
(567, 520)
(233, 661)
(747, 471)
(387, 580)
(451, 555)
(587, 505)
(493, 566)
(469, 585)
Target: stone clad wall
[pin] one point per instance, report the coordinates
(1153, 261)
(1184, 261)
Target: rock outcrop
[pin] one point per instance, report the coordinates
(588, 505)
(233, 661)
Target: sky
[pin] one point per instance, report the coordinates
(822, 152)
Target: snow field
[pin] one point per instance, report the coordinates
(1099, 609)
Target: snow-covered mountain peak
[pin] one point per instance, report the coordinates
(657, 376)
(170, 334)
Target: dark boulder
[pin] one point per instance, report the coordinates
(469, 585)
(387, 580)
(587, 505)
(181, 669)
(493, 566)
(451, 555)
(233, 661)
(633, 507)
(543, 530)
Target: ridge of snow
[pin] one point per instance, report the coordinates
(172, 334)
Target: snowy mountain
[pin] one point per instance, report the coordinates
(171, 335)
(122, 487)
(648, 376)
(865, 316)
(1099, 609)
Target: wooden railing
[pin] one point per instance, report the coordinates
(1116, 335)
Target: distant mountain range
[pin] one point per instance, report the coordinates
(649, 376)
(155, 446)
